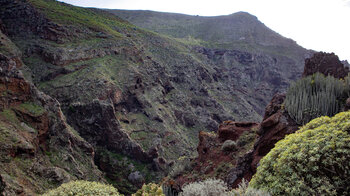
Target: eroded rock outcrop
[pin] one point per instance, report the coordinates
(99, 131)
(327, 64)
(248, 141)
(27, 19)
(274, 127)
(230, 130)
(218, 152)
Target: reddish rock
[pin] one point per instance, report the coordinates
(212, 161)
(325, 63)
(230, 130)
(208, 143)
(272, 120)
(274, 105)
(14, 90)
(274, 127)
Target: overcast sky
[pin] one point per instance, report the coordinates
(322, 25)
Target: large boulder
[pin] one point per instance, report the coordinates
(325, 63)
(230, 130)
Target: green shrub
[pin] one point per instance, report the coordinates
(182, 165)
(150, 189)
(209, 187)
(244, 190)
(312, 161)
(229, 146)
(32, 108)
(315, 96)
(83, 188)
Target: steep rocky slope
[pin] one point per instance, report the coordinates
(219, 158)
(254, 58)
(253, 141)
(38, 149)
(138, 97)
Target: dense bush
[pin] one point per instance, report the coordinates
(150, 189)
(83, 188)
(182, 165)
(209, 187)
(315, 96)
(244, 190)
(312, 161)
(229, 145)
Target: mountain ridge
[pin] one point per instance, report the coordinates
(163, 22)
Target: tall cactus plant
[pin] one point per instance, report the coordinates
(315, 96)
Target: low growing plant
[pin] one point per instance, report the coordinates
(85, 188)
(244, 190)
(229, 146)
(150, 189)
(209, 187)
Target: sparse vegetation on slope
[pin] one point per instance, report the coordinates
(72, 15)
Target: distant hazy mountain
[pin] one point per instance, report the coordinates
(224, 31)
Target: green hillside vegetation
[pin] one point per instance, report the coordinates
(72, 15)
(312, 161)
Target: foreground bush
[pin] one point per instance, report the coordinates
(244, 190)
(312, 161)
(150, 189)
(228, 146)
(83, 188)
(210, 187)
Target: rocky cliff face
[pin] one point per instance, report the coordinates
(217, 153)
(275, 125)
(253, 141)
(39, 150)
